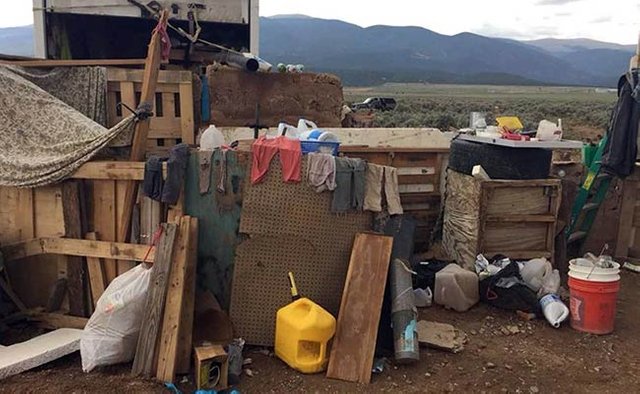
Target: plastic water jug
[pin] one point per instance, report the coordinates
(211, 139)
(554, 310)
(456, 288)
(303, 329)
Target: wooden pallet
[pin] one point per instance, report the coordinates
(173, 107)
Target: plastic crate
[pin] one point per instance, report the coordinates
(320, 147)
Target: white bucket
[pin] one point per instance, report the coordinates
(583, 269)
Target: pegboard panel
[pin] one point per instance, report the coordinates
(290, 228)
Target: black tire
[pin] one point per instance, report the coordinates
(500, 162)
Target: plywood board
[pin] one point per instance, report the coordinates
(354, 344)
(38, 351)
(290, 228)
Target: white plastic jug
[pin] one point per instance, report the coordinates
(211, 139)
(549, 131)
(554, 310)
(288, 131)
(306, 125)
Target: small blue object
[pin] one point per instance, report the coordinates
(204, 102)
(320, 147)
(172, 387)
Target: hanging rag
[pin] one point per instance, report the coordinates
(350, 182)
(391, 190)
(204, 170)
(176, 168)
(321, 171)
(223, 173)
(263, 151)
(373, 188)
(153, 182)
(621, 151)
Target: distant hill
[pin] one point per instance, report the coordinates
(378, 54)
(364, 56)
(17, 41)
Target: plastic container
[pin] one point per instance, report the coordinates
(211, 139)
(303, 329)
(593, 305)
(584, 269)
(456, 288)
(554, 310)
(331, 148)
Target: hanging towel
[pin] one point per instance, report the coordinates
(176, 168)
(264, 149)
(204, 170)
(350, 183)
(391, 191)
(321, 171)
(153, 182)
(373, 188)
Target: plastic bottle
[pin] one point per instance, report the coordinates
(211, 139)
(456, 288)
(554, 310)
(288, 131)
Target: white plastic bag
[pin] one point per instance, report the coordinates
(533, 271)
(111, 334)
(550, 284)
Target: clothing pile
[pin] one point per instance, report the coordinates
(356, 184)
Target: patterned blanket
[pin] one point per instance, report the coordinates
(43, 140)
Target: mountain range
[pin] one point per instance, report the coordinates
(378, 54)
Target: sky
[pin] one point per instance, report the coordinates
(605, 20)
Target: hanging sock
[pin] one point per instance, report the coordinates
(373, 188)
(291, 158)
(263, 150)
(321, 171)
(391, 191)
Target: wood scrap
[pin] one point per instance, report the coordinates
(185, 339)
(96, 273)
(138, 147)
(57, 295)
(53, 321)
(40, 350)
(357, 329)
(177, 321)
(440, 336)
(73, 226)
(145, 358)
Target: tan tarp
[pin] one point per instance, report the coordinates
(42, 139)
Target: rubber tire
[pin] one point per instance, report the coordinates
(500, 162)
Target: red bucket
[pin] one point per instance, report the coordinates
(593, 305)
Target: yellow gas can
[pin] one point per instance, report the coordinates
(303, 330)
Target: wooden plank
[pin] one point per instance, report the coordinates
(25, 214)
(97, 249)
(23, 249)
(173, 327)
(74, 62)
(186, 113)
(75, 264)
(185, 338)
(627, 210)
(114, 170)
(121, 189)
(105, 219)
(143, 363)
(521, 218)
(355, 340)
(138, 148)
(164, 77)
(54, 321)
(416, 188)
(96, 273)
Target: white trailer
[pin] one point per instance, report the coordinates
(234, 23)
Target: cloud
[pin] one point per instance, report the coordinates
(563, 14)
(602, 19)
(530, 32)
(555, 2)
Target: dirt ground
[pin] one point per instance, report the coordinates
(536, 359)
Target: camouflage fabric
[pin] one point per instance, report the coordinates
(44, 140)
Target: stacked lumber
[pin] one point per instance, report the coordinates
(165, 347)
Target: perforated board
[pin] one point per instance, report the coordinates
(290, 228)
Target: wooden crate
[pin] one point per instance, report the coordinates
(173, 107)
(419, 179)
(510, 217)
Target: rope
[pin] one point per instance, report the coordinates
(154, 241)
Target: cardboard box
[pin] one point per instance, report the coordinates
(212, 367)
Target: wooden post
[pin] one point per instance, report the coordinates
(73, 229)
(138, 148)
